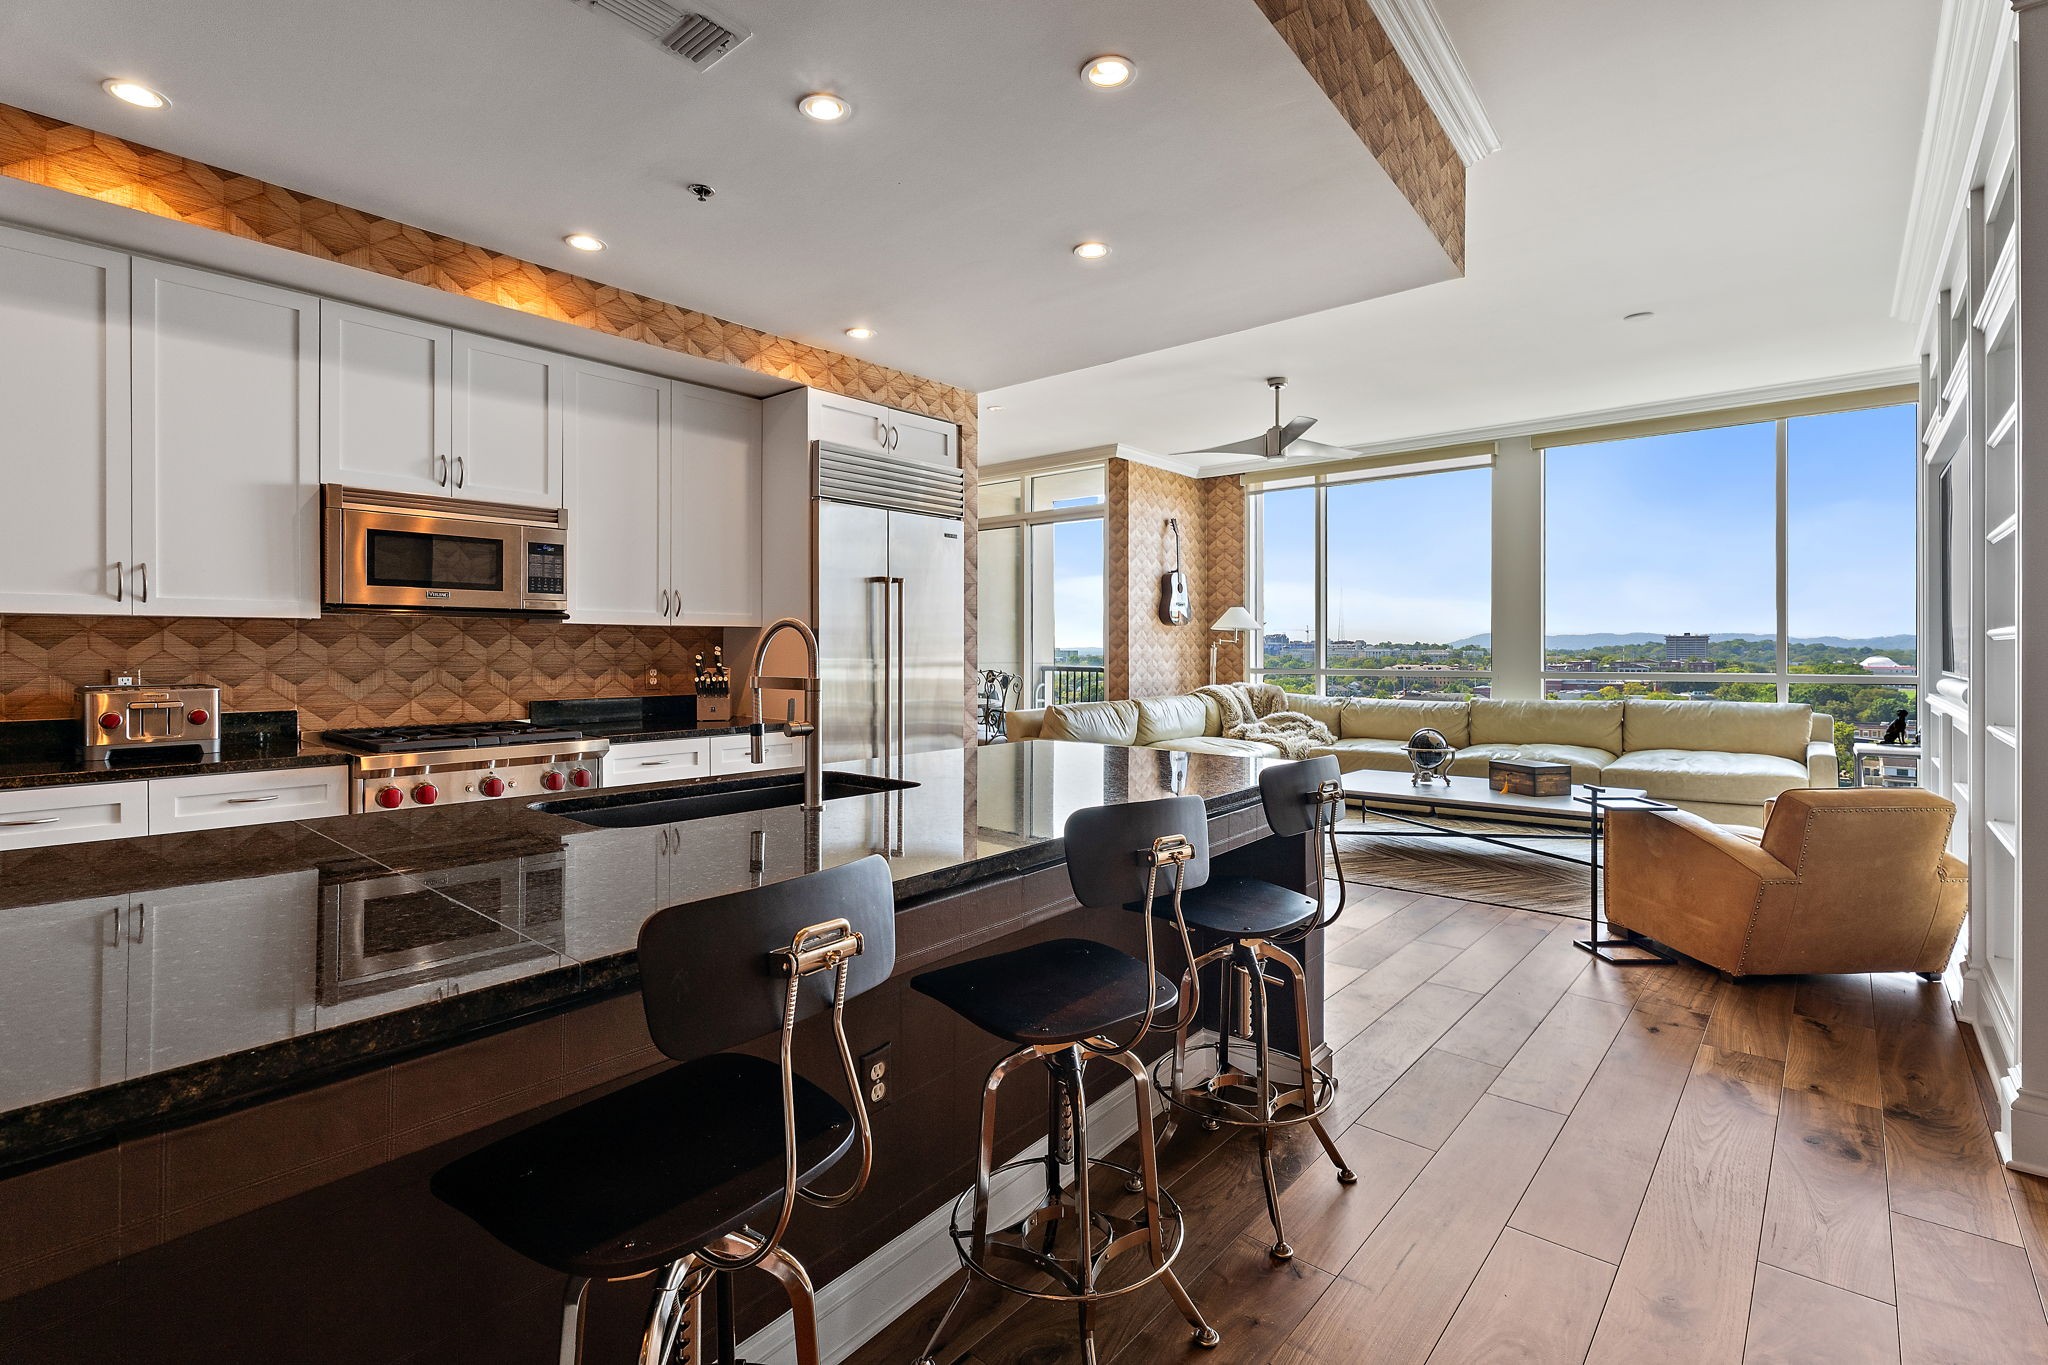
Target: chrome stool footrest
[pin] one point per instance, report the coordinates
(1207, 1099)
(1118, 1234)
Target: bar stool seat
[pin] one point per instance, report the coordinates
(634, 1179)
(1245, 907)
(1061, 991)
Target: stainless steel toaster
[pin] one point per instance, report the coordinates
(127, 714)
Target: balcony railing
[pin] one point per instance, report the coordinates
(1060, 684)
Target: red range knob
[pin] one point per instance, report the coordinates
(390, 798)
(552, 780)
(580, 776)
(426, 793)
(492, 786)
(198, 716)
(110, 721)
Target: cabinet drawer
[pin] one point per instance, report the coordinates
(636, 765)
(217, 801)
(42, 816)
(733, 754)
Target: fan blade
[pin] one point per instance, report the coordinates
(1316, 448)
(1255, 446)
(1292, 432)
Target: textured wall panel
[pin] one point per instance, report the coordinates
(1145, 656)
(1348, 53)
(348, 668)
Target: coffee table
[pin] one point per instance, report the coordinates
(1580, 815)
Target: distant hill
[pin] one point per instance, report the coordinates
(1875, 643)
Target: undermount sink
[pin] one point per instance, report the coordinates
(633, 808)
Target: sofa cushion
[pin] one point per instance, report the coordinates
(1092, 722)
(1587, 724)
(1706, 775)
(1217, 744)
(1354, 755)
(1735, 727)
(1328, 710)
(1586, 763)
(1172, 718)
(1386, 718)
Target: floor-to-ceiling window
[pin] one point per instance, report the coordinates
(1376, 582)
(1040, 557)
(1739, 563)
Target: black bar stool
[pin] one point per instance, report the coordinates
(1260, 922)
(1059, 1001)
(670, 1174)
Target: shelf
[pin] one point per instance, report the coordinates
(1953, 387)
(1994, 312)
(2004, 734)
(2003, 530)
(1947, 426)
(2007, 833)
(2002, 633)
(2003, 427)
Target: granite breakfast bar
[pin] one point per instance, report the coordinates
(203, 1031)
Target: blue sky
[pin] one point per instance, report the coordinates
(1667, 533)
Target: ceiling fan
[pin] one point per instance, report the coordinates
(1278, 441)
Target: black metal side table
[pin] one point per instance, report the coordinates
(1645, 953)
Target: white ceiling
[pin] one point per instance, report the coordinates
(942, 213)
(1741, 167)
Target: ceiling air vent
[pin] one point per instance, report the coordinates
(698, 38)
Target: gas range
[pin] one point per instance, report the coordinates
(423, 765)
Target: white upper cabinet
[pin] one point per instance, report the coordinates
(226, 446)
(386, 401)
(64, 392)
(508, 422)
(717, 517)
(620, 570)
(870, 427)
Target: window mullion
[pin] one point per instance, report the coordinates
(1783, 539)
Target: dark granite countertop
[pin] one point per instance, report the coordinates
(630, 720)
(47, 753)
(147, 982)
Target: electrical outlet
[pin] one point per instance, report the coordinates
(874, 1075)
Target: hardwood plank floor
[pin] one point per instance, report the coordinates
(1561, 1161)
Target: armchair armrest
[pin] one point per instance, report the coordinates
(1823, 769)
(1024, 724)
(1686, 882)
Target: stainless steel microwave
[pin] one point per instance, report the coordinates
(406, 552)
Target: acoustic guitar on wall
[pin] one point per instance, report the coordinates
(1174, 608)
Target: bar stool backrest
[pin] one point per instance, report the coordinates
(1107, 847)
(1292, 793)
(712, 974)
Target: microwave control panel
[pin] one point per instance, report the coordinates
(543, 569)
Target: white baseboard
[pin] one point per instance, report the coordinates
(889, 1283)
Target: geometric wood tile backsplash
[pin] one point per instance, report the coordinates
(346, 669)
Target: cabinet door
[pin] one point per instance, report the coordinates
(733, 755)
(40, 817)
(717, 508)
(227, 465)
(618, 484)
(924, 439)
(64, 393)
(385, 387)
(219, 968)
(65, 1026)
(674, 760)
(508, 422)
(223, 800)
(849, 422)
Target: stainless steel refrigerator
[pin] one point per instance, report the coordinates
(890, 586)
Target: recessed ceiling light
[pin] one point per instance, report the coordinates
(135, 93)
(1092, 251)
(1109, 72)
(861, 333)
(1637, 317)
(824, 108)
(583, 241)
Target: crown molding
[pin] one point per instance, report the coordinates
(1073, 459)
(1965, 71)
(1703, 404)
(1424, 46)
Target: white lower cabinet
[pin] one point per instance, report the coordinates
(67, 979)
(219, 800)
(38, 817)
(670, 760)
(733, 755)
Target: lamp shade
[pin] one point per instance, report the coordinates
(1237, 618)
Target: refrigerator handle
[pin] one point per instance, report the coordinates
(902, 664)
(888, 665)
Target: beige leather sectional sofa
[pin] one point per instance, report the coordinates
(1721, 760)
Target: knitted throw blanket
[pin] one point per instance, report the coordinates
(1294, 733)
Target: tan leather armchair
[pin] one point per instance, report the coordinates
(1852, 880)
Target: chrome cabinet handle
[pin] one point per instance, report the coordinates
(140, 911)
(251, 800)
(895, 436)
(902, 660)
(441, 469)
(654, 763)
(120, 580)
(458, 471)
(143, 594)
(881, 433)
(39, 820)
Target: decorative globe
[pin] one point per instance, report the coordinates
(1430, 754)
